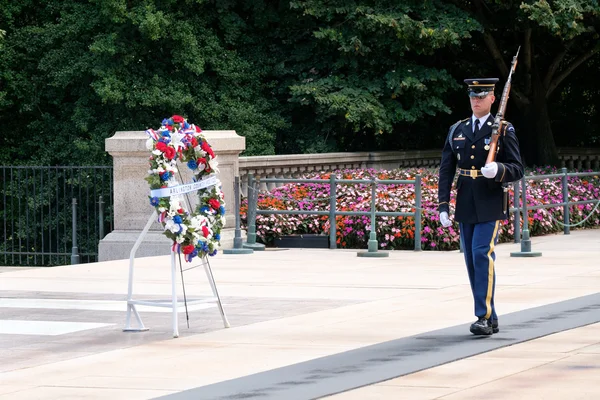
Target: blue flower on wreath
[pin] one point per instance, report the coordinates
(170, 121)
(193, 254)
(154, 201)
(177, 219)
(192, 164)
(205, 209)
(222, 210)
(186, 125)
(203, 246)
(217, 236)
(165, 176)
(213, 253)
(165, 122)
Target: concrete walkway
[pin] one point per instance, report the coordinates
(61, 338)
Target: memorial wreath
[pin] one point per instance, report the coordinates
(194, 233)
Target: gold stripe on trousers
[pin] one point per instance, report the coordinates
(490, 288)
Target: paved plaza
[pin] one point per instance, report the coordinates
(307, 324)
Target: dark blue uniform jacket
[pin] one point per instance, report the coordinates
(480, 199)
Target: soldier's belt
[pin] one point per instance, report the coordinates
(473, 173)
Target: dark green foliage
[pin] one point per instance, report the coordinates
(78, 71)
(302, 76)
(367, 72)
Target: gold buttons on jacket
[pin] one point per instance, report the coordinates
(472, 157)
(472, 167)
(473, 146)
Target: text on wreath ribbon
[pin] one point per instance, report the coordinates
(182, 189)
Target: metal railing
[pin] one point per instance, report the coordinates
(332, 212)
(521, 231)
(53, 215)
(522, 209)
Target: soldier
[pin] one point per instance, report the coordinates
(481, 199)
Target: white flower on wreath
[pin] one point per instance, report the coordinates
(178, 229)
(197, 221)
(174, 206)
(149, 144)
(177, 141)
(169, 225)
(213, 164)
(199, 151)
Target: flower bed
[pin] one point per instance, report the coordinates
(395, 233)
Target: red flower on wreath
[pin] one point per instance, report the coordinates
(206, 147)
(169, 153)
(214, 203)
(161, 146)
(205, 231)
(177, 119)
(188, 249)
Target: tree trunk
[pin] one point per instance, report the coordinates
(540, 146)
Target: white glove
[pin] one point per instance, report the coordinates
(490, 170)
(444, 219)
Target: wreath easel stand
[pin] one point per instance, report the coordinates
(173, 303)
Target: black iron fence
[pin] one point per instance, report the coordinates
(50, 213)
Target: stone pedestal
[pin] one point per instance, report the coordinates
(130, 194)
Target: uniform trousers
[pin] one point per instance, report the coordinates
(479, 241)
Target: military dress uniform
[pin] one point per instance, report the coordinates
(480, 202)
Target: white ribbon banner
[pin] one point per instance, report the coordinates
(182, 189)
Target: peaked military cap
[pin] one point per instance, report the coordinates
(481, 87)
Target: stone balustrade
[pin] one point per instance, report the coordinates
(296, 165)
(579, 158)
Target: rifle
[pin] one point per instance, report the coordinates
(499, 123)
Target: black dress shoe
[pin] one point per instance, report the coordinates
(494, 325)
(481, 327)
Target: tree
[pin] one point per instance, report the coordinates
(556, 38)
(364, 73)
(574, 111)
(72, 73)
